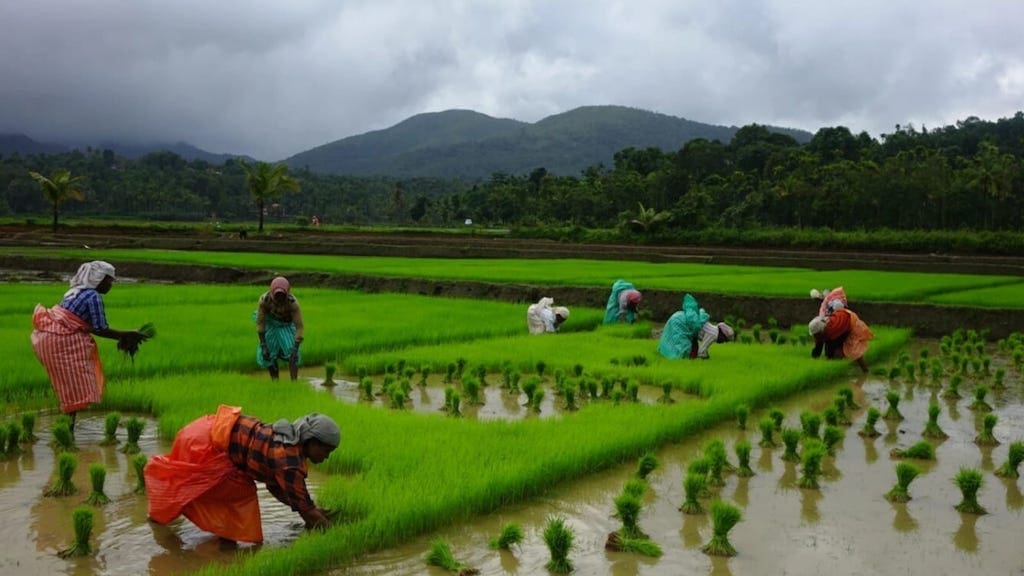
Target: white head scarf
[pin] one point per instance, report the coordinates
(561, 311)
(817, 325)
(311, 425)
(89, 275)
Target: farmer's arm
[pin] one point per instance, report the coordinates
(97, 315)
(289, 487)
(261, 317)
(297, 320)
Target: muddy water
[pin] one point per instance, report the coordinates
(36, 528)
(845, 528)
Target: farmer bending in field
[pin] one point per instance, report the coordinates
(541, 317)
(831, 300)
(623, 303)
(215, 461)
(63, 343)
(841, 334)
(279, 326)
(689, 334)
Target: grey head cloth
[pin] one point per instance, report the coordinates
(309, 426)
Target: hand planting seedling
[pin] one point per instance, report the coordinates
(131, 346)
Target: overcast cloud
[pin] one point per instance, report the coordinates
(272, 78)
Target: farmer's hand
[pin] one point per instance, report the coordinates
(294, 357)
(130, 339)
(265, 352)
(315, 519)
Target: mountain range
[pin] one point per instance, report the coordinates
(467, 144)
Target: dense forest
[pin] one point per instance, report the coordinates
(965, 176)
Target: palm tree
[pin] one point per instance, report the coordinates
(58, 188)
(266, 182)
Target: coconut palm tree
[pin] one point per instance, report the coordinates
(57, 188)
(266, 182)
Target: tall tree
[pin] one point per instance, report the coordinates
(57, 188)
(267, 182)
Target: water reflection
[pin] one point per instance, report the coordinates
(809, 499)
(902, 521)
(966, 537)
(742, 492)
(1014, 498)
(693, 524)
(764, 461)
(870, 452)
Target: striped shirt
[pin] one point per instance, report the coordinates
(281, 467)
(88, 306)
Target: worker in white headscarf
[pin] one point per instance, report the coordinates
(542, 317)
(62, 338)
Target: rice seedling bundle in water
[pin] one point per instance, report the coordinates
(3, 441)
(842, 419)
(82, 518)
(813, 453)
(743, 469)
(791, 439)
(987, 436)
(717, 458)
(905, 474)
(831, 416)
(559, 539)
(511, 534)
(694, 484)
(63, 486)
(454, 405)
(648, 463)
(979, 403)
(134, 426)
(922, 450)
(628, 507)
(329, 369)
(932, 428)
(538, 398)
(13, 438)
(110, 424)
(846, 393)
(63, 439)
(724, 517)
(366, 388)
(777, 417)
(1014, 456)
(953, 388)
(666, 393)
(139, 465)
(767, 427)
(97, 477)
(832, 437)
(970, 481)
(868, 430)
(893, 413)
(440, 555)
(811, 424)
(742, 412)
(28, 427)
(570, 399)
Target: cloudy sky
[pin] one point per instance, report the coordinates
(271, 78)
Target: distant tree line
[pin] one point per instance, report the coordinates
(966, 176)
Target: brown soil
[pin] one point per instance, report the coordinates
(926, 320)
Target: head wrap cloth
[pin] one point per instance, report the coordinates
(89, 276)
(310, 426)
(561, 311)
(280, 284)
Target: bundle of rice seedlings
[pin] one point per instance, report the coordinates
(846, 393)
(134, 426)
(538, 398)
(28, 427)
(970, 481)
(767, 433)
(541, 367)
(790, 439)
(440, 555)
(813, 453)
(366, 389)
(743, 455)
(839, 403)
(987, 436)
(777, 417)
(919, 451)
(953, 388)
(63, 438)
(868, 430)
(558, 538)
(666, 393)
(932, 428)
(424, 374)
(63, 486)
(694, 485)
(329, 369)
(742, 412)
(3, 441)
(530, 388)
(1014, 457)
(454, 405)
(398, 398)
(471, 387)
(97, 477)
(570, 399)
(628, 508)
(724, 517)
(998, 381)
(811, 424)
(148, 331)
(110, 424)
(831, 438)
(139, 465)
(82, 519)
(893, 413)
(633, 391)
(635, 487)
(979, 403)
(905, 474)
(717, 458)
(830, 415)
(511, 534)
(13, 438)
(648, 463)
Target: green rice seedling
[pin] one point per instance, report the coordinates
(329, 369)
(969, 481)
(3, 441)
(63, 486)
(606, 386)
(570, 400)
(471, 388)
(400, 366)
(398, 398)
(110, 424)
(385, 385)
(134, 426)
(559, 540)
(846, 393)
(538, 398)
(454, 406)
(724, 517)
(628, 508)
(893, 412)
(714, 451)
(617, 396)
(516, 377)
(832, 437)
(830, 415)
(701, 466)
(592, 388)
(440, 555)
(511, 534)
(979, 403)
(976, 366)
(932, 428)
(935, 367)
(755, 331)
(868, 430)
(642, 546)
(743, 469)
(460, 367)
(366, 389)
(911, 371)
(361, 372)
(791, 439)
(694, 485)
(987, 436)
(742, 412)
(480, 372)
(390, 368)
(666, 393)
(777, 417)
(998, 380)
(922, 366)
(633, 391)
(986, 365)
(530, 388)
(894, 372)
(405, 386)
(97, 477)
(408, 372)
(63, 439)
(560, 378)
(635, 486)
(449, 374)
(648, 463)
(424, 374)
(82, 518)
(839, 403)
(13, 438)
(139, 465)
(577, 370)
(1014, 457)
(905, 474)
(767, 433)
(28, 427)
(953, 388)
(813, 453)
(811, 424)
(919, 451)
(541, 367)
